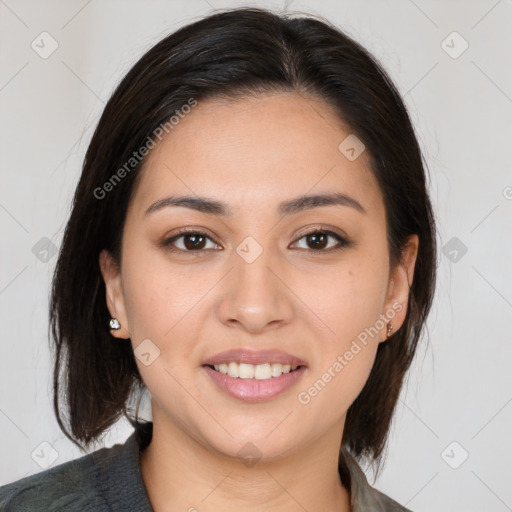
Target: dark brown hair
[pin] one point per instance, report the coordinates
(232, 54)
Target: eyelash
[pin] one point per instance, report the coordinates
(343, 243)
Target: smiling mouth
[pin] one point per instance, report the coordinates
(263, 371)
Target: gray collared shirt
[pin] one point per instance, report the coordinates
(110, 480)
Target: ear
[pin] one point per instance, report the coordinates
(395, 308)
(114, 293)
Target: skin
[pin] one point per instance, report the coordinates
(252, 154)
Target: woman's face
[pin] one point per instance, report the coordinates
(253, 279)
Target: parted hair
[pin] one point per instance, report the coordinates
(232, 54)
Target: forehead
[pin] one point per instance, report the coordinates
(256, 151)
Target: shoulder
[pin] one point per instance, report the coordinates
(73, 485)
(363, 496)
(386, 503)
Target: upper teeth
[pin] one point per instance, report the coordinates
(250, 371)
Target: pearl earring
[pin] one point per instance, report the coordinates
(390, 328)
(114, 324)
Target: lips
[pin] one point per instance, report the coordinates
(254, 390)
(254, 357)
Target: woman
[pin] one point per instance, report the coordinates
(252, 242)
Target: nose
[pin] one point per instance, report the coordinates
(255, 295)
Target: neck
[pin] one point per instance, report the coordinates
(182, 474)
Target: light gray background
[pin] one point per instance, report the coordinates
(459, 389)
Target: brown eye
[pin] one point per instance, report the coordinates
(319, 241)
(193, 242)
(189, 241)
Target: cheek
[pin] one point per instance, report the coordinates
(167, 305)
(339, 375)
(332, 389)
(158, 296)
(162, 307)
(346, 299)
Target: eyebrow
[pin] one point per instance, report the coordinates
(213, 207)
